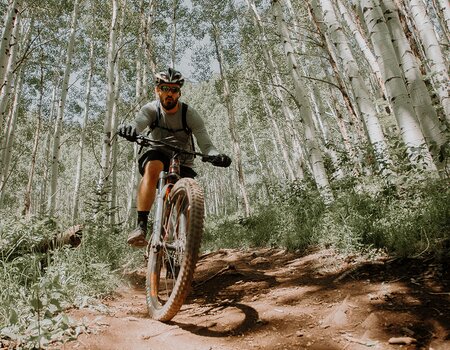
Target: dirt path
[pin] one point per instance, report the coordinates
(271, 299)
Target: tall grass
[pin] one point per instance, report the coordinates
(410, 219)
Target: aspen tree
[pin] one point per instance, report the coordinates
(51, 204)
(436, 60)
(362, 43)
(5, 40)
(8, 74)
(81, 144)
(133, 183)
(313, 151)
(37, 135)
(115, 123)
(279, 142)
(362, 95)
(442, 12)
(10, 136)
(415, 84)
(228, 98)
(5, 104)
(105, 164)
(395, 87)
(287, 112)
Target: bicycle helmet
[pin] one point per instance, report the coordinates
(172, 76)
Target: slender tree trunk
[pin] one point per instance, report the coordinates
(87, 101)
(436, 60)
(5, 40)
(105, 164)
(277, 134)
(362, 43)
(115, 122)
(442, 12)
(59, 120)
(263, 168)
(232, 122)
(149, 40)
(415, 84)
(47, 150)
(8, 74)
(278, 84)
(362, 96)
(175, 4)
(10, 137)
(37, 136)
(313, 151)
(410, 131)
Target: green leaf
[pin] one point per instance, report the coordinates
(13, 317)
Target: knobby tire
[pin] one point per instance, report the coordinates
(170, 271)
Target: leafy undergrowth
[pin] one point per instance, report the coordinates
(37, 286)
(409, 219)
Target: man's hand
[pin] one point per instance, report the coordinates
(128, 131)
(221, 160)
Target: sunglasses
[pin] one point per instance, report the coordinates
(173, 89)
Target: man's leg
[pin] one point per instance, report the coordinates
(145, 198)
(147, 188)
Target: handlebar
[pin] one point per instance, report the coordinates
(145, 141)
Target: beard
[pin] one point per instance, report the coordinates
(169, 104)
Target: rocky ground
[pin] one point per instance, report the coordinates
(273, 299)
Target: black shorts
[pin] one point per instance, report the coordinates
(165, 159)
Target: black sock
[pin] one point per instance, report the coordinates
(143, 219)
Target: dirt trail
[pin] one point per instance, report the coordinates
(272, 299)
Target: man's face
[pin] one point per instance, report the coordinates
(169, 95)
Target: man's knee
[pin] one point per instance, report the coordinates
(152, 170)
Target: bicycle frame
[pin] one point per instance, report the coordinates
(166, 181)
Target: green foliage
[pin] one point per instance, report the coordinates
(410, 219)
(36, 287)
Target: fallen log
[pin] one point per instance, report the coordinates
(70, 237)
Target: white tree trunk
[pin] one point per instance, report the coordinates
(436, 60)
(37, 135)
(5, 40)
(362, 95)
(87, 100)
(279, 140)
(407, 121)
(48, 145)
(115, 122)
(313, 151)
(362, 43)
(415, 84)
(9, 72)
(10, 137)
(228, 98)
(105, 162)
(444, 7)
(175, 4)
(287, 112)
(60, 116)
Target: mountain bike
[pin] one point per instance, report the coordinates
(173, 248)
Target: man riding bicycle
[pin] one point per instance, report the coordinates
(167, 118)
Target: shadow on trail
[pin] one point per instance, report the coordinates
(250, 321)
(417, 302)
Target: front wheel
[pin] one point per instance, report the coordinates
(172, 262)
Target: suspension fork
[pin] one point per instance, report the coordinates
(163, 188)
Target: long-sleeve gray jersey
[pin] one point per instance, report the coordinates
(148, 115)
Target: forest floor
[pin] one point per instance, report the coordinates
(273, 299)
